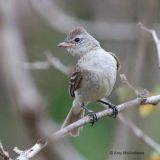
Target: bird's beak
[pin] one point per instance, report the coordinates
(65, 45)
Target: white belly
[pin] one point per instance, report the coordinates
(99, 76)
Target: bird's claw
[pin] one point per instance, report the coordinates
(115, 111)
(93, 117)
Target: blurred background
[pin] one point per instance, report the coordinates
(42, 24)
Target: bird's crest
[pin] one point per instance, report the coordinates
(76, 31)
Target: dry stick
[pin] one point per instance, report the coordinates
(155, 38)
(23, 155)
(124, 80)
(133, 103)
(38, 65)
(54, 61)
(51, 61)
(143, 93)
(4, 154)
(31, 152)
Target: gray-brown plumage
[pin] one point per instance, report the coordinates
(74, 82)
(94, 75)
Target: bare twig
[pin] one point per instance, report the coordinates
(139, 133)
(125, 80)
(4, 154)
(143, 93)
(23, 155)
(51, 61)
(155, 38)
(56, 63)
(31, 152)
(36, 65)
(133, 103)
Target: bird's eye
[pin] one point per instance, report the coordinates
(77, 39)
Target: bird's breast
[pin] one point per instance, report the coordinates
(99, 75)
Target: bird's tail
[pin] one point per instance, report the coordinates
(75, 113)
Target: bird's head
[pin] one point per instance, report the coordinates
(79, 42)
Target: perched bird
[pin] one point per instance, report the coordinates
(94, 75)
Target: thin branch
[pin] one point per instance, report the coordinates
(4, 154)
(133, 103)
(31, 152)
(51, 61)
(23, 155)
(38, 65)
(125, 80)
(56, 63)
(143, 93)
(155, 38)
(139, 133)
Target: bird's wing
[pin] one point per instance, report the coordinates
(116, 58)
(75, 81)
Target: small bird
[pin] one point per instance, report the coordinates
(93, 78)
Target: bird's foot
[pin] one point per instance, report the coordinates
(115, 111)
(91, 114)
(93, 117)
(112, 106)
